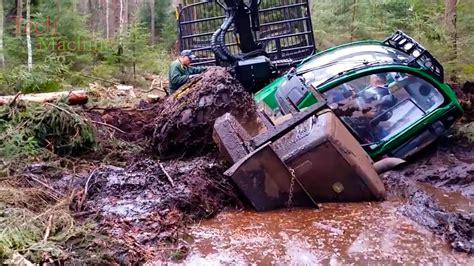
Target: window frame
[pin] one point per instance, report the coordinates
(325, 87)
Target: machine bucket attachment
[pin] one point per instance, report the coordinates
(313, 148)
(265, 181)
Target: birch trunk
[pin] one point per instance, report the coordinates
(126, 14)
(152, 21)
(107, 26)
(121, 18)
(2, 55)
(28, 35)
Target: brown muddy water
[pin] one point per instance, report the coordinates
(334, 234)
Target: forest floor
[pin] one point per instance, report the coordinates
(121, 203)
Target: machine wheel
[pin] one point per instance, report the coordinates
(185, 125)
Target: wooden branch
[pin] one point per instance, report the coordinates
(45, 185)
(48, 228)
(40, 97)
(59, 108)
(15, 98)
(109, 125)
(86, 189)
(84, 213)
(167, 175)
(151, 86)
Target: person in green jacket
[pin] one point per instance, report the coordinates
(180, 70)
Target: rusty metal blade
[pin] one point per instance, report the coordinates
(265, 180)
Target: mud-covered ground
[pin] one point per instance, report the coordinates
(438, 183)
(439, 188)
(148, 204)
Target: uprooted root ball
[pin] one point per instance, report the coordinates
(184, 127)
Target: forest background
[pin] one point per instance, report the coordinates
(51, 45)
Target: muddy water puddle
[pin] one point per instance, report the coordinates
(335, 234)
(450, 201)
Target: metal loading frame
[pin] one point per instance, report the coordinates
(285, 30)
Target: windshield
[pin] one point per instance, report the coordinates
(379, 106)
(325, 66)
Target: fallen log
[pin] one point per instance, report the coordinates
(74, 97)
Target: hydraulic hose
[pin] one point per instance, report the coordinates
(216, 48)
(221, 38)
(218, 45)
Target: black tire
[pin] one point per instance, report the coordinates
(184, 128)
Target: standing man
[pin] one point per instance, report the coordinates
(180, 70)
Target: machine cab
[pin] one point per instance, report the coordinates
(394, 101)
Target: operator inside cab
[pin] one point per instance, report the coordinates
(181, 70)
(378, 95)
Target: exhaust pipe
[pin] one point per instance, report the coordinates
(387, 164)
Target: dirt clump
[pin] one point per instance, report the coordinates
(439, 190)
(142, 208)
(465, 93)
(134, 124)
(184, 127)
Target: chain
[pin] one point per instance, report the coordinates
(292, 187)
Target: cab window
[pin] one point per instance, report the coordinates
(379, 106)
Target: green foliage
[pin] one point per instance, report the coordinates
(14, 234)
(77, 49)
(54, 126)
(22, 231)
(156, 61)
(130, 55)
(161, 15)
(465, 25)
(65, 46)
(73, 42)
(337, 22)
(46, 76)
(168, 39)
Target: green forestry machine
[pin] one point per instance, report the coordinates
(324, 117)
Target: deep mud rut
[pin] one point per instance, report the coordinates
(336, 234)
(427, 217)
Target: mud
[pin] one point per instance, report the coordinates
(439, 189)
(147, 213)
(184, 127)
(135, 124)
(372, 233)
(465, 93)
(427, 218)
(143, 209)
